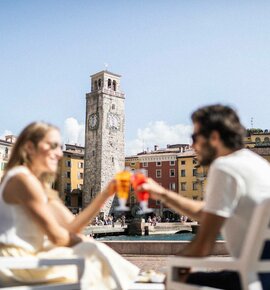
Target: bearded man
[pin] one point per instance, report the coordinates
(237, 181)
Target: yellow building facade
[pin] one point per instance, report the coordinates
(70, 178)
(257, 138)
(6, 146)
(191, 176)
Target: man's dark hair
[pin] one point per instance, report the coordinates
(222, 119)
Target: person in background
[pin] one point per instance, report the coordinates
(34, 221)
(238, 180)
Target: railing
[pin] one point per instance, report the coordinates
(110, 92)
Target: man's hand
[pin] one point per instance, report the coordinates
(157, 192)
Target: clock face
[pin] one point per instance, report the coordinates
(93, 121)
(113, 121)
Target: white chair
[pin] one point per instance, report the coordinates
(248, 265)
(32, 263)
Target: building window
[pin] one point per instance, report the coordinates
(258, 140)
(158, 173)
(113, 106)
(158, 163)
(172, 163)
(95, 85)
(80, 165)
(68, 163)
(109, 83)
(132, 163)
(195, 197)
(172, 173)
(145, 164)
(183, 186)
(80, 175)
(194, 172)
(80, 186)
(194, 161)
(114, 85)
(99, 83)
(183, 173)
(68, 174)
(183, 162)
(68, 187)
(195, 186)
(93, 152)
(3, 165)
(172, 186)
(266, 140)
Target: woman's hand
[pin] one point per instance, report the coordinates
(157, 192)
(110, 189)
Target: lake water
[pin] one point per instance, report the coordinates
(173, 237)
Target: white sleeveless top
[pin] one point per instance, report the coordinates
(17, 227)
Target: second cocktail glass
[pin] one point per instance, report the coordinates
(122, 186)
(138, 178)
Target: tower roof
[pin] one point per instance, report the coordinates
(105, 72)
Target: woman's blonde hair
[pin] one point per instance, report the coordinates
(34, 133)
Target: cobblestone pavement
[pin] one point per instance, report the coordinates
(147, 262)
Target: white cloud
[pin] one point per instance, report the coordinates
(158, 133)
(5, 133)
(74, 131)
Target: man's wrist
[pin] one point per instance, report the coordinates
(164, 196)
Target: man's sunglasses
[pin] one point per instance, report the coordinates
(194, 136)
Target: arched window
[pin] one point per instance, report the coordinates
(109, 83)
(114, 85)
(95, 85)
(266, 140)
(258, 140)
(99, 83)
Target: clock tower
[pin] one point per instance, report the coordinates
(104, 135)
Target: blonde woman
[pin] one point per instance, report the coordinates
(34, 222)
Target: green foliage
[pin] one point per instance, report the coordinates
(254, 130)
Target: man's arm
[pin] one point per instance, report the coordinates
(183, 205)
(204, 241)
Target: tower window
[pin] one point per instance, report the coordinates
(95, 85)
(99, 83)
(114, 85)
(109, 83)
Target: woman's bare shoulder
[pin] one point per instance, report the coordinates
(20, 187)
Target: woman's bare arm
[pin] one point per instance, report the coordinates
(84, 217)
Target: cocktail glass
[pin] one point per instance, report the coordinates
(138, 178)
(122, 187)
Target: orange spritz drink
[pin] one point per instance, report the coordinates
(122, 187)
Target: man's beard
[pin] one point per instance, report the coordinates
(208, 154)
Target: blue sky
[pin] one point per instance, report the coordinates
(174, 56)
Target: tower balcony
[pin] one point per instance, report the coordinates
(110, 92)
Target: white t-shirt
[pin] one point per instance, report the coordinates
(236, 184)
